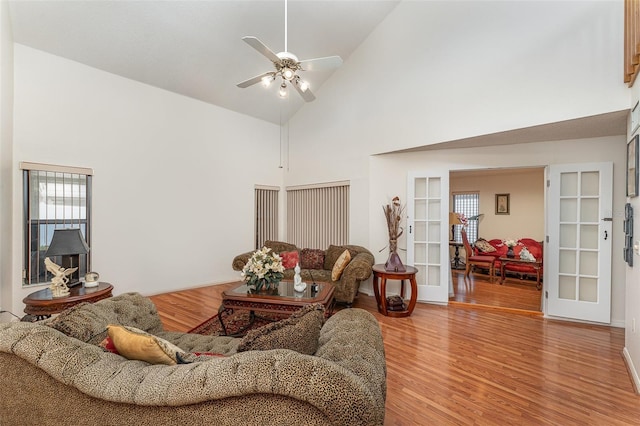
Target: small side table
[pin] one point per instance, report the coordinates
(42, 304)
(456, 263)
(380, 277)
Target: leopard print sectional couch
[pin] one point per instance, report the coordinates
(55, 372)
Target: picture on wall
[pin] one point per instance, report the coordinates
(502, 203)
(632, 167)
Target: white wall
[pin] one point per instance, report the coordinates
(439, 71)
(6, 154)
(526, 189)
(389, 175)
(174, 177)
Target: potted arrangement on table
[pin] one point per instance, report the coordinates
(264, 270)
(393, 213)
(510, 243)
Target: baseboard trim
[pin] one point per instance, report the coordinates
(633, 373)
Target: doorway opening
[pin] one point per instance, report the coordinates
(511, 206)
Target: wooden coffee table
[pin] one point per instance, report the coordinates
(282, 301)
(535, 264)
(42, 304)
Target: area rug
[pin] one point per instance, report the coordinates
(237, 323)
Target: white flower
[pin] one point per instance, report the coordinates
(510, 242)
(263, 267)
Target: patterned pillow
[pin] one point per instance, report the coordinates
(300, 332)
(340, 264)
(289, 259)
(484, 246)
(312, 259)
(83, 322)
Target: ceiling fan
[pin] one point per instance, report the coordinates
(287, 66)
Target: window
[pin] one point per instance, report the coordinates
(266, 215)
(53, 197)
(469, 205)
(318, 215)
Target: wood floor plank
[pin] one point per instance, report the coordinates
(462, 366)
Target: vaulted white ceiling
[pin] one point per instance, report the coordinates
(195, 48)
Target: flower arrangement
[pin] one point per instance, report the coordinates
(463, 219)
(264, 269)
(510, 242)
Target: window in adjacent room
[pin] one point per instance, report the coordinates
(53, 197)
(469, 205)
(318, 215)
(266, 214)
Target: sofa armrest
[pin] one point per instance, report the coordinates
(359, 268)
(352, 339)
(240, 260)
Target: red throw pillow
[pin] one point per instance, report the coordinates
(289, 259)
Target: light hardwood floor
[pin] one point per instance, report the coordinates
(515, 293)
(460, 366)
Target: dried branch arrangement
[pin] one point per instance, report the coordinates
(393, 213)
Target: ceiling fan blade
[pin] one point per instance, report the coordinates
(321, 64)
(253, 80)
(260, 47)
(306, 94)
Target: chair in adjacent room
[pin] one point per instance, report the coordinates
(476, 260)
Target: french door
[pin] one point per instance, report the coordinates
(428, 238)
(578, 260)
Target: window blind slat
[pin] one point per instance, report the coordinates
(318, 216)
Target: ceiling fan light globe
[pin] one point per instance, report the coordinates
(288, 73)
(304, 86)
(283, 91)
(266, 80)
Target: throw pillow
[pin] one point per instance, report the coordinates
(484, 246)
(133, 343)
(300, 332)
(289, 259)
(340, 264)
(108, 346)
(332, 255)
(312, 259)
(82, 321)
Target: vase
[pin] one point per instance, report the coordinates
(266, 286)
(394, 264)
(510, 252)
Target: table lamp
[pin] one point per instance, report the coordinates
(453, 221)
(69, 244)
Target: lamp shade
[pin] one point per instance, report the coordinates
(454, 219)
(66, 242)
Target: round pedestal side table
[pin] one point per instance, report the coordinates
(380, 277)
(41, 304)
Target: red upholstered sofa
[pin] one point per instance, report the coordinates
(500, 250)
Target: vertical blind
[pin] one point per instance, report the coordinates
(55, 197)
(318, 215)
(469, 205)
(266, 203)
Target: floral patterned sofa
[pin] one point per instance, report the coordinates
(318, 264)
(497, 248)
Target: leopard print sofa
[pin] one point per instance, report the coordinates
(50, 378)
